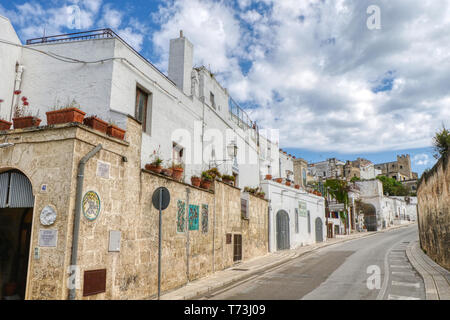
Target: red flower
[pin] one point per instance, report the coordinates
(24, 99)
(1, 100)
(17, 92)
(25, 103)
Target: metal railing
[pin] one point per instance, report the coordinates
(85, 35)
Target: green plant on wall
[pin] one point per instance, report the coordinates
(441, 143)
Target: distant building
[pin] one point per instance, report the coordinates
(360, 168)
(329, 169)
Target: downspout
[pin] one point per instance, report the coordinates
(76, 223)
(188, 191)
(17, 86)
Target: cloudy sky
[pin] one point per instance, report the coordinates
(312, 68)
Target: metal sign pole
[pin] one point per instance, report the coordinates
(159, 245)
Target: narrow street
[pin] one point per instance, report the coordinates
(339, 272)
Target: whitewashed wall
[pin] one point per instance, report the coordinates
(9, 56)
(289, 201)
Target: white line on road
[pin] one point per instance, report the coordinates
(398, 266)
(406, 284)
(394, 297)
(403, 273)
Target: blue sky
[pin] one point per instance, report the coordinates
(312, 68)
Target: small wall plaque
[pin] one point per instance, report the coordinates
(94, 282)
(91, 205)
(48, 238)
(103, 169)
(114, 241)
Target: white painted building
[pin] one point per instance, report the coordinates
(186, 115)
(296, 218)
(328, 169)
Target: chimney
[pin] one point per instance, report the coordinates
(181, 58)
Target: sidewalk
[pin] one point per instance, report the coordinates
(436, 278)
(251, 267)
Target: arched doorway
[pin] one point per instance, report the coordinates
(16, 215)
(319, 230)
(370, 217)
(283, 242)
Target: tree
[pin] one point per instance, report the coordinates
(441, 143)
(338, 189)
(354, 179)
(393, 187)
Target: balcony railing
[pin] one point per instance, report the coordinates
(86, 35)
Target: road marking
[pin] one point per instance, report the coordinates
(406, 284)
(403, 272)
(398, 266)
(394, 297)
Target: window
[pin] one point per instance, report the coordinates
(211, 98)
(141, 109)
(177, 153)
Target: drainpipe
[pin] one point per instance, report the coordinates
(17, 86)
(76, 223)
(188, 192)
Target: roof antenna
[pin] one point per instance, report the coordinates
(181, 34)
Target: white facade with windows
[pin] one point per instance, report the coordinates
(306, 216)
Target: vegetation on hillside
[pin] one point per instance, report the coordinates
(393, 187)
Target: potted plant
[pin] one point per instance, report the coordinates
(156, 164)
(196, 181)
(288, 183)
(268, 177)
(279, 180)
(297, 186)
(177, 171)
(214, 173)
(167, 172)
(96, 123)
(228, 179)
(5, 125)
(114, 131)
(207, 179)
(261, 194)
(65, 114)
(23, 118)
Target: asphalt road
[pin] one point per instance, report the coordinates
(370, 268)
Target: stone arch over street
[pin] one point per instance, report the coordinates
(283, 234)
(16, 216)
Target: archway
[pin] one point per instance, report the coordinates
(283, 235)
(370, 217)
(319, 230)
(16, 215)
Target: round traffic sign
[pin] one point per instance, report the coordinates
(161, 198)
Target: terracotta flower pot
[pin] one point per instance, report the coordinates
(268, 177)
(96, 124)
(177, 173)
(288, 183)
(5, 125)
(206, 184)
(230, 182)
(279, 180)
(116, 132)
(195, 181)
(297, 186)
(167, 172)
(26, 122)
(65, 116)
(156, 169)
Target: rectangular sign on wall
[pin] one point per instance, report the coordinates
(302, 209)
(48, 238)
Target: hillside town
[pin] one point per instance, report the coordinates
(90, 129)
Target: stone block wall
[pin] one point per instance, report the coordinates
(50, 156)
(434, 212)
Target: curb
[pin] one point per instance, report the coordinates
(437, 287)
(285, 260)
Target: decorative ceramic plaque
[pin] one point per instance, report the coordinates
(48, 216)
(91, 205)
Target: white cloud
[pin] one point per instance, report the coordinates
(422, 160)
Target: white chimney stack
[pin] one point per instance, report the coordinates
(181, 60)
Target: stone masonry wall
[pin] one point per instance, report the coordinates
(434, 212)
(50, 156)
